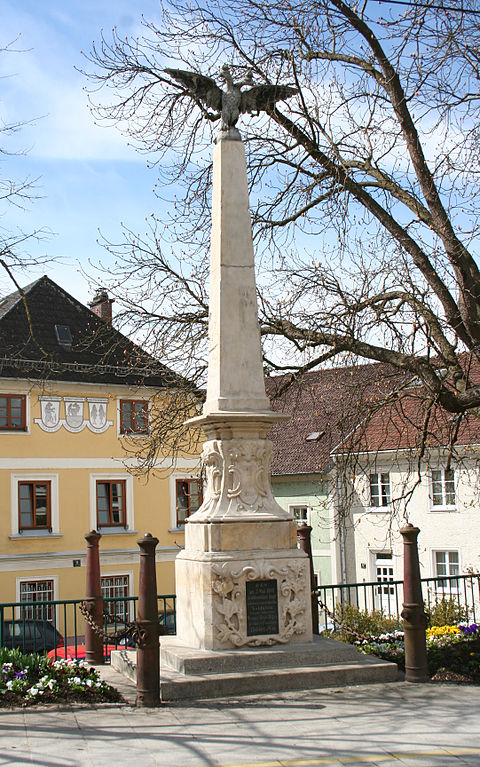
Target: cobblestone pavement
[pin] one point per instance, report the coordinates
(389, 725)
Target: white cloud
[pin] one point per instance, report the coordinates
(42, 82)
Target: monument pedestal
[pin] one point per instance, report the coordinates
(242, 584)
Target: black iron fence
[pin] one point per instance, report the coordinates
(461, 591)
(57, 626)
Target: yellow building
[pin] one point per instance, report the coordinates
(76, 397)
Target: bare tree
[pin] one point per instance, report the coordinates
(17, 193)
(363, 186)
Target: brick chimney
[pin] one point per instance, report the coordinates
(101, 305)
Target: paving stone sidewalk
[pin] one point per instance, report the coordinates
(389, 725)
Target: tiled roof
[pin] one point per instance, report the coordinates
(405, 423)
(324, 406)
(99, 353)
(365, 408)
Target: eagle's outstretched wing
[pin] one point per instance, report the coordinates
(261, 97)
(201, 87)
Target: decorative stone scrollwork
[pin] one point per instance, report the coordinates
(212, 462)
(229, 598)
(248, 467)
(238, 480)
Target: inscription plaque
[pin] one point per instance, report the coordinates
(262, 607)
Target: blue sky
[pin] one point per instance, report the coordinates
(89, 179)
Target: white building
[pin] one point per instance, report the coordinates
(399, 473)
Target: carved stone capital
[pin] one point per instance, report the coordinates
(238, 481)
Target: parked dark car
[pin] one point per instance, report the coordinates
(31, 636)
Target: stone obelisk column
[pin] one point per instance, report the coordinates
(240, 581)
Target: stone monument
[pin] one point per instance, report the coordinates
(240, 581)
(243, 606)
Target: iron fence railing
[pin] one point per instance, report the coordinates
(387, 595)
(57, 626)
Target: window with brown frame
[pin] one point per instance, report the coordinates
(133, 416)
(34, 508)
(12, 412)
(189, 497)
(111, 503)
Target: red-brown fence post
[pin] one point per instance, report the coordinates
(148, 648)
(413, 613)
(304, 535)
(94, 600)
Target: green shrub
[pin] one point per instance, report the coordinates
(446, 612)
(365, 622)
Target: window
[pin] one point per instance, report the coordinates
(133, 416)
(188, 498)
(111, 504)
(443, 487)
(380, 489)
(12, 412)
(446, 563)
(34, 510)
(300, 514)
(117, 589)
(64, 335)
(36, 591)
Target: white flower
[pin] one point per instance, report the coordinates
(9, 684)
(33, 691)
(89, 683)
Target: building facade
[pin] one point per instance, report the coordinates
(77, 400)
(402, 473)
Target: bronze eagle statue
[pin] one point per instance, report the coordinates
(230, 103)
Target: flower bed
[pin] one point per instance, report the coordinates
(453, 652)
(26, 679)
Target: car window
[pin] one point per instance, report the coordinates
(19, 629)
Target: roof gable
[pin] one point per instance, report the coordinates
(30, 348)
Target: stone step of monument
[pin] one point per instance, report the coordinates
(193, 661)
(354, 668)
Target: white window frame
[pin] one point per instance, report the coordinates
(112, 476)
(442, 506)
(174, 477)
(449, 588)
(123, 574)
(29, 579)
(292, 506)
(389, 556)
(381, 506)
(133, 435)
(15, 479)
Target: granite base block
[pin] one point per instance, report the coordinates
(188, 673)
